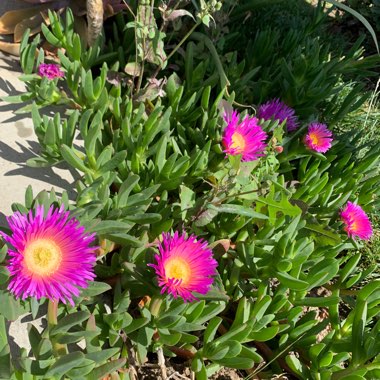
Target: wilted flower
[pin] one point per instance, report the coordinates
(277, 110)
(245, 138)
(184, 265)
(50, 255)
(357, 223)
(50, 71)
(318, 137)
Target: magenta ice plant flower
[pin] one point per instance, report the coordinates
(50, 71)
(357, 223)
(184, 265)
(275, 109)
(246, 138)
(50, 256)
(318, 137)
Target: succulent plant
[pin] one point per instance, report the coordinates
(17, 21)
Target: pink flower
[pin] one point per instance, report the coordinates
(318, 138)
(246, 138)
(50, 71)
(50, 255)
(278, 110)
(184, 265)
(357, 223)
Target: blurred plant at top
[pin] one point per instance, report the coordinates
(369, 9)
(166, 155)
(17, 21)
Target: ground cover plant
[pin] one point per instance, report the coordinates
(218, 211)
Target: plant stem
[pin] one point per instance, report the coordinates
(187, 35)
(182, 352)
(139, 81)
(224, 82)
(52, 314)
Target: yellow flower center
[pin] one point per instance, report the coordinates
(179, 269)
(238, 142)
(354, 226)
(42, 257)
(314, 138)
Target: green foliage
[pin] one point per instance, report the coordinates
(289, 293)
(275, 58)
